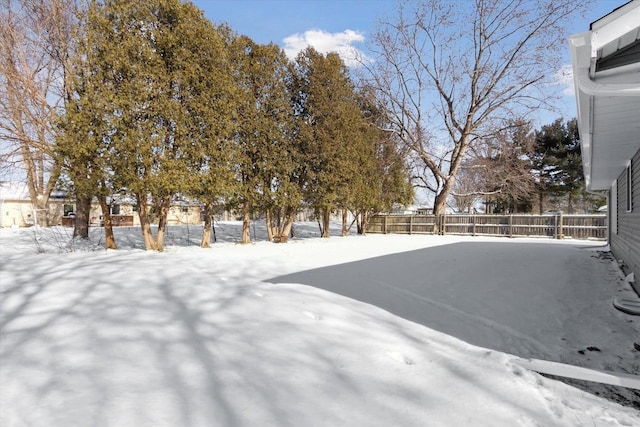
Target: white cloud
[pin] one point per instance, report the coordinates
(564, 77)
(325, 42)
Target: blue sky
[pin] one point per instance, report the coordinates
(273, 20)
(337, 20)
(340, 25)
(344, 25)
(328, 25)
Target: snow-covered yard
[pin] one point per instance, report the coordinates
(250, 336)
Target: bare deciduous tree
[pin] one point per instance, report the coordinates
(34, 42)
(449, 70)
(499, 169)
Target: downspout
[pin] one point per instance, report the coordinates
(588, 86)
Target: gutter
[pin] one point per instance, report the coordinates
(590, 87)
(586, 89)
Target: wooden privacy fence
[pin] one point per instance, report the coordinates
(551, 226)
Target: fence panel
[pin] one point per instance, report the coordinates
(585, 226)
(402, 224)
(550, 226)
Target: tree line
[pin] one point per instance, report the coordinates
(152, 99)
(164, 104)
(525, 170)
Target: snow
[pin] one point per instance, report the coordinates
(357, 331)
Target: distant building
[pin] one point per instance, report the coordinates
(16, 209)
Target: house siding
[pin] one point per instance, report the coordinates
(20, 213)
(625, 244)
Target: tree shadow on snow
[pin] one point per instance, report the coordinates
(83, 348)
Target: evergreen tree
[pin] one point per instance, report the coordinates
(382, 179)
(328, 124)
(558, 162)
(82, 145)
(150, 62)
(211, 121)
(267, 160)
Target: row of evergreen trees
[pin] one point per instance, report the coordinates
(164, 103)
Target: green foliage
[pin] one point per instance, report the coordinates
(558, 162)
(152, 98)
(166, 104)
(349, 162)
(382, 179)
(331, 130)
(268, 157)
(559, 156)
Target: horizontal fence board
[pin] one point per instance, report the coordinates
(550, 226)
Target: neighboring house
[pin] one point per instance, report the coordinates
(606, 73)
(124, 212)
(16, 209)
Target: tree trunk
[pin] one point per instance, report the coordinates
(165, 204)
(362, 222)
(206, 228)
(439, 208)
(145, 226)
(110, 240)
(345, 230)
(42, 212)
(326, 214)
(246, 222)
(440, 203)
(570, 204)
(541, 201)
(286, 225)
(364, 225)
(359, 228)
(269, 221)
(83, 208)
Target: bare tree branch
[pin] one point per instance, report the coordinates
(450, 72)
(34, 40)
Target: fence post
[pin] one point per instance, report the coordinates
(473, 231)
(384, 224)
(560, 231)
(510, 225)
(411, 225)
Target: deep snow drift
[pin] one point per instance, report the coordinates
(194, 337)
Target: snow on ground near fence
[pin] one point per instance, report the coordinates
(193, 337)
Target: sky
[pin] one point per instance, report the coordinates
(344, 25)
(328, 23)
